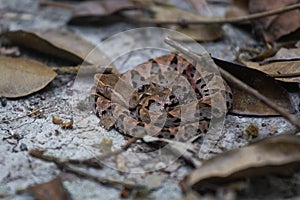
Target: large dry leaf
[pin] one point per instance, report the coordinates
(53, 189)
(276, 26)
(284, 67)
(59, 43)
(279, 154)
(285, 54)
(100, 11)
(238, 8)
(201, 32)
(20, 77)
(245, 104)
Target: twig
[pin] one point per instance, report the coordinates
(57, 5)
(65, 166)
(215, 20)
(37, 153)
(83, 70)
(285, 75)
(182, 150)
(112, 153)
(91, 162)
(238, 82)
(20, 117)
(104, 181)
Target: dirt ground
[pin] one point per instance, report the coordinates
(19, 170)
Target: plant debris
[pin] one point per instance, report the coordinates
(53, 189)
(277, 154)
(20, 77)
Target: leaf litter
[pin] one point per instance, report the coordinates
(278, 154)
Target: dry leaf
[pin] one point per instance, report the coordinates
(53, 189)
(285, 54)
(196, 32)
(56, 120)
(284, 67)
(245, 104)
(20, 77)
(278, 154)
(100, 11)
(59, 43)
(238, 8)
(276, 26)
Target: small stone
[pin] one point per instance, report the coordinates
(3, 101)
(252, 130)
(23, 147)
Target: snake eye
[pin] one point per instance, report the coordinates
(107, 89)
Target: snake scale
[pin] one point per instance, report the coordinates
(168, 97)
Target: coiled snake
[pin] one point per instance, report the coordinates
(168, 97)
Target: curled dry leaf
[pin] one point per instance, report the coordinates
(59, 43)
(53, 189)
(278, 154)
(274, 27)
(245, 104)
(20, 77)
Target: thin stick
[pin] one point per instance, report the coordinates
(216, 20)
(104, 181)
(112, 153)
(64, 166)
(20, 117)
(91, 162)
(285, 75)
(243, 86)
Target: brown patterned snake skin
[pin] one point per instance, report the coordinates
(168, 97)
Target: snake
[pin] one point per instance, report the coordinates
(168, 97)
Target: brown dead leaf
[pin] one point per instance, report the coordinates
(274, 27)
(197, 32)
(53, 189)
(279, 68)
(278, 154)
(238, 8)
(59, 43)
(20, 77)
(100, 11)
(285, 54)
(56, 120)
(245, 104)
